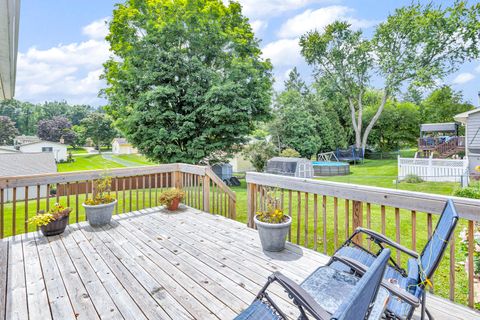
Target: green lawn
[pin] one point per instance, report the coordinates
(75, 151)
(135, 158)
(90, 162)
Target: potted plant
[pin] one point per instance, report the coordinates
(99, 208)
(272, 225)
(53, 222)
(171, 198)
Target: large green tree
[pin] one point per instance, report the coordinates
(442, 105)
(98, 127)
(415, 46)
(187, 81)
(7, 130)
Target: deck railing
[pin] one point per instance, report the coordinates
(137, 188)
(325, 213)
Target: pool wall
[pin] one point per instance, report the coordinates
(322, 169)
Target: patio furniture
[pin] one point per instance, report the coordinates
(327, 294)
(407, 287)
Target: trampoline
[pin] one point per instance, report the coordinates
(329, 168)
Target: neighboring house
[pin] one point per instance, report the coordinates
(26, 164)
(19, 140)
(58, 150)
(122, 146)
(8, 149)
(471, 121)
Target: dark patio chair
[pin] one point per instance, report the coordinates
(407, 287)
(326, 294)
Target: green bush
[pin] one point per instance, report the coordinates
(290, 153)
(413, 178)
(472, 192)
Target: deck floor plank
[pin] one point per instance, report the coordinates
(150, 264)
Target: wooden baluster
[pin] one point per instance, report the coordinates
(76, 201)
(299, 215)
(67, 187)
(306, 221)
(347, 219)
(290, 213)
(382, 209)
(335, 222)
(130, 192)
(220, 200)
(369, 222)
(149, 190)
(86, 189)
(452, 268)
(14, 211)
(217, 201)
(414, 230)
(471, 250)
(161, 181)
(357, 219)
(136, 190)
(123, 194)
(156, 189)
(251, 191)
(2, 213)
(26, 210)
(397, 232)
(116, 195)
(57, 194)
(429, 232)
(206, 199)
(315, 222)
(48, 198)
(38, 201)
(324, 214)
(282, 200)
(144, 188)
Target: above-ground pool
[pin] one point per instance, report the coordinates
(330, 168)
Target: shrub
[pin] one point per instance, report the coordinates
(413, 178)
(55, 213)
(472, 192)
(290, 153)
(168, 196)
(258, 153)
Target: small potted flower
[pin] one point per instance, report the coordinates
(99, 208)
(171, 198)
(53, 222)
(272, 225)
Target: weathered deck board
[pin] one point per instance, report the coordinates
(152, 265)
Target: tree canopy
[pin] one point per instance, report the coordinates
(417, 45)
(55, 129)
(98, 127)
(7, 130)
(187, 81)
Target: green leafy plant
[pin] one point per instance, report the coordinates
(273, 212)
(472, 192)
(290, 153)
(476, 250)
(55, 213)
(101, 195)
(412, 178)
(169, 195)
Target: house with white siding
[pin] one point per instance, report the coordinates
(471, 121)
(59, 150)
(122, 146)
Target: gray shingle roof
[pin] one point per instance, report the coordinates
(21, 164)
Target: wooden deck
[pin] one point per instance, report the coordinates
(151, 265)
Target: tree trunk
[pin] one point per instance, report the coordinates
(374, 119)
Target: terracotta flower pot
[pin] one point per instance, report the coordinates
(55, 227)
(174, 204)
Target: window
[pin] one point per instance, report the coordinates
(47, 149)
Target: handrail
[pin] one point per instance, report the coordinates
(411, 200)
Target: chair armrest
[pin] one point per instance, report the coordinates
(394, 290)
(378, 237)
(301, 296)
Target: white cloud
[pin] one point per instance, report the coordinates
(66, 71)
(463, 78)
(318, 19)
(270, 8)
(258, 25)
(283, 52)
(477, 69)
(98, 29)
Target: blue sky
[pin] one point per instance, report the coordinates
(62, 45)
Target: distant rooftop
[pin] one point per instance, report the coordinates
(25, 164)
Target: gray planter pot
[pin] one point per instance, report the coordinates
(99, 215)
(273, 235)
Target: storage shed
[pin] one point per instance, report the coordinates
(294, 167)
(223, 170)
(471, 120)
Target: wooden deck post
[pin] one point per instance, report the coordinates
(232, 210)
(251, 202)
(177, 179)
(206, 193)
(357, 219)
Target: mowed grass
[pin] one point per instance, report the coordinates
(135, 158)
(75, 151)
(89, 162)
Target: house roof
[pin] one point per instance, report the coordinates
(120, 141)
(42, 141)
(8, 148)
(462, 117)
(9, 25)
(24, 164)
(438, 127)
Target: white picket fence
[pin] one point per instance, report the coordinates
(440, 170)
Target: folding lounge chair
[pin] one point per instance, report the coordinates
(353, 297)
(407, 287)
